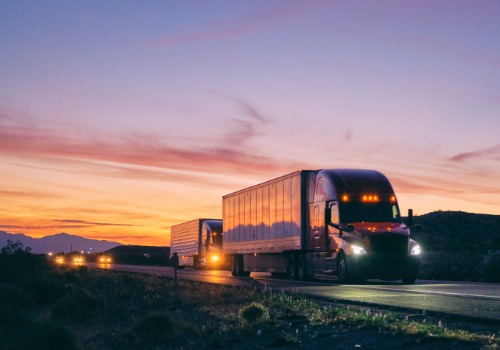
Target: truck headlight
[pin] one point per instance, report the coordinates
(416, 250)
(357, 250)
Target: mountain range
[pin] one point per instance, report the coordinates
(61, 242)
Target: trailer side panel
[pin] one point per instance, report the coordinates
(266, 218)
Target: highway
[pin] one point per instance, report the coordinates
(475, 300)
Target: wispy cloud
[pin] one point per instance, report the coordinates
(27, 194)
(90, 223)
(490, 152)
(77, 143)
(238, 27)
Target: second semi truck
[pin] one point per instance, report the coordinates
(330, 221)
(198, 243)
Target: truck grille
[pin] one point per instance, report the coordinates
(389, 244)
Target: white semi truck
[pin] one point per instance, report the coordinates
(198, 243)
(342, 222)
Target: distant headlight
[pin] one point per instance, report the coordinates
(416, 250)
(357, 250)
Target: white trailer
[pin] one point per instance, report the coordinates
(198, 243)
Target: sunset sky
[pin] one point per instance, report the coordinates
(119, 119)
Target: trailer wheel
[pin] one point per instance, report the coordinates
(292, 267)
(342, 268)
(301, 268)
(237, 266)
(234, 268)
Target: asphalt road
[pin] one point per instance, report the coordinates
(476, 300)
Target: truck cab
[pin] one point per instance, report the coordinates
(362, 234)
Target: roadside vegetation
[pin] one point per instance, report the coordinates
(43, 306)
(459, 246)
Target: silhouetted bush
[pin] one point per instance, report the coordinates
(45, 289)
(458, 266)
(11, 318)
(254, 314)
(155, 328)
(20, 265)
(83, 269)
(78, 306)
(15, 296)
(45, 336)
(71, 276)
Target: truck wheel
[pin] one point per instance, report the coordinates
(301, 268)
(342, 268)
(411, 272)
(234, 268)
(292, 267)
(238, 267)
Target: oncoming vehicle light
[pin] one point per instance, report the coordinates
(416, 250)
(357, 250)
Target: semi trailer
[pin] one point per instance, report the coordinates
(198, 243)
(341, 222)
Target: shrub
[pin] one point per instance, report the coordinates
(456, 266)
(45, 289)
(11, 318)
(18, 265)
(254, 314)
(155, 328)
(15, 296)
(78, 306)
(45, 336)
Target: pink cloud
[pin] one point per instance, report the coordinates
(239, 27)
(490, 152)
(83, 145)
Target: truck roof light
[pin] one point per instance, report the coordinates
(370, 198)
(393, 199)
(345, 198)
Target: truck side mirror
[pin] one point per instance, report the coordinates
(411, 223)
(410, 217)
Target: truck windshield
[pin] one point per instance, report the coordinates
(369, 212)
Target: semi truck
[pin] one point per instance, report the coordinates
(198, 243)
(340, 222)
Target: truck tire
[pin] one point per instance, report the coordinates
(342, 273)
(292, 267)
(301, 268)
(238, 267)
(410, 273)
(234, 267)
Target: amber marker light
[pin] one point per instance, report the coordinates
(370, 198)
(345, 198)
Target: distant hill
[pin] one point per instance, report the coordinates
(453, 231)
(61, 242)
(459, 246)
